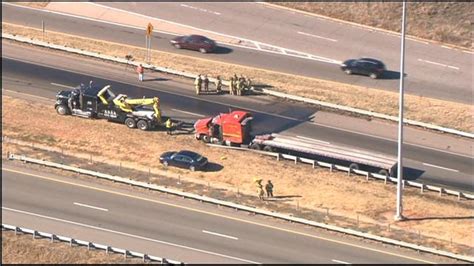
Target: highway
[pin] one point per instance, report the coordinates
(45, 73)
(172, 227)
(432, 70)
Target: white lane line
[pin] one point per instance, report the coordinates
(129, 235)
(189, 113)
(440, 167)
(90, 206)
(311, 139)
(201, 9)
(317, 36)
(438, 64)
(61, 85)
(221, 235)
(340, 261)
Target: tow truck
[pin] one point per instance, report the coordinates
(95, 102)
(234, 129)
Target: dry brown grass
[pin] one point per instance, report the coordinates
(22, 249)
(447, 22)
(444, 218)
(443, 113)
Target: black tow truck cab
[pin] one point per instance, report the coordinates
(83, 101)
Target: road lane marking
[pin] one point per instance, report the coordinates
(61, 85)
(340, 261)
(311, 139)
(438, 64)
(127, 234)
(440, 167)
(90, 206)
(221, 235)
(217, 215)
(189, 113)
(317, 36)
(201, 9)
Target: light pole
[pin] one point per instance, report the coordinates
(399, 215)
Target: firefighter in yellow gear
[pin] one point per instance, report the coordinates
(258, 183)
(197, 84)
(218, 84)
(169, 127)
(231, 86)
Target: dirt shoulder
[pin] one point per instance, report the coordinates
(23, 249)
(312, 190)
(445, 22)
(428, 110)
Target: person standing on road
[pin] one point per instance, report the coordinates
(206, 83)
(169, 127)
(231, 86)
(197, 84)
(140, 72)
(218, 84)
(269, 189)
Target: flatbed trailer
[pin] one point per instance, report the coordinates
(346, 155)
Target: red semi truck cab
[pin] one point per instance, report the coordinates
(229, 128)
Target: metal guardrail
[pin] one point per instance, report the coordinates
(245, 208)
(89, 245)
(265, 91)
(367, 174)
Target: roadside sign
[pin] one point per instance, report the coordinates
(149, 29)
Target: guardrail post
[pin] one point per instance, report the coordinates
(422, 188)
(278, 157)
(440, 191)
(367, 176)
(164, 261)
(107, 249)
(17, 229)
(314, 164)
(89, 245)
(296, 159)
(459, 195)
(53, 236)
(145, 257)
(34, 233)
(330, 167)
(125, 254)
(385, 180)
(72, 242)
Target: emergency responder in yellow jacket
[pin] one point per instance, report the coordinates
(197, 84)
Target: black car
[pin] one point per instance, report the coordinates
(194, 42)
(184, 159)
(366, 66)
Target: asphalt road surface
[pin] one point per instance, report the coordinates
(44, 74)
(175, 228)
(432, 70)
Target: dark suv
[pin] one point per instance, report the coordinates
(366, 66)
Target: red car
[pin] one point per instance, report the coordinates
(194, 42)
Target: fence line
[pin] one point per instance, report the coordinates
(89, 245)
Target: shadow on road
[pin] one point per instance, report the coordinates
(389, 74)
(222, 50)
(156, 79)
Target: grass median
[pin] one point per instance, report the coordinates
(423, 109)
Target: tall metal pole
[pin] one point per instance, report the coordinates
(399, 215)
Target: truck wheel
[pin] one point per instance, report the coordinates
(206, 139)
(62, 109)
(383, 172)
(142, 124)
(255, 146)
(192, 168)
(130, 123)
(198, 137)
(354, 166)
(268, 148)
